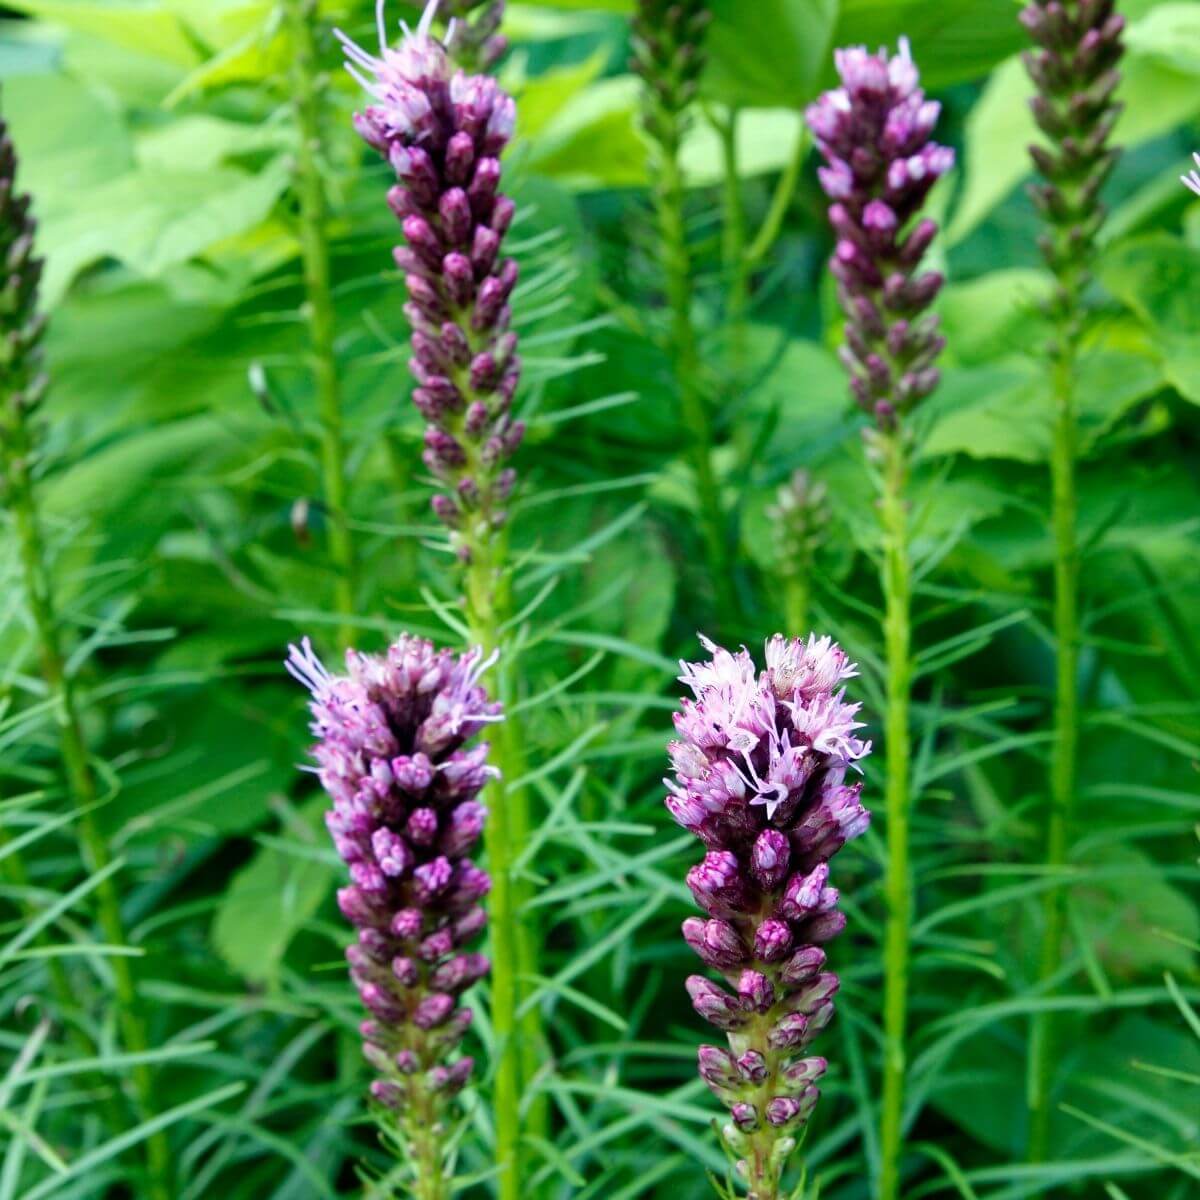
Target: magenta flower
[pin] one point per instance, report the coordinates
(760, 778)
(443, 131)
(391, 752)
(875, 134)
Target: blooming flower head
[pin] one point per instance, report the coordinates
(443, 130)
(392, 753)
(1192, 178)
(760, 772)
(874, 132)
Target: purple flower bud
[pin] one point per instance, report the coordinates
(717, 1068)
(434, 1010)
(714, 1005)
(717, 942)
(803, 1071)
(755, 991)
(744, 1116)
(804, 965)
(772, 940)
(769, 860)
(788, 1032)
(422, 826)
(753, 1067)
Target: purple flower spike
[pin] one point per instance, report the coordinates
(760, 778)
(443, 131)
(875, 134)
(391, 753)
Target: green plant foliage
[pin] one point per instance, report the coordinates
(181, 489)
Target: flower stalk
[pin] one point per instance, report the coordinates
(318, 308)
(392, 753)
(1074, 70)
(760, 778)
(875, 135)
(22, 389)
(443, 131)
(668, 38)
(799, 517)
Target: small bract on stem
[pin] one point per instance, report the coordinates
(875, 133)
(760, 777)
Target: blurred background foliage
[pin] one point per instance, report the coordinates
(182, 488)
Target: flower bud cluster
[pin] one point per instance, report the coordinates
(875, 133)
(760, 778)
(668, 54)
(474, 39)
(1074, 69)
(799, 518)
(391, 753)
(443, 132)
(22, 382)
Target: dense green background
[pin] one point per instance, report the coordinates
(182, 491)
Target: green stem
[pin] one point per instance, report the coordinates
(314, 245)
(486, 597)
(736, 260)
(697, 420)
(781, 201)
(81, 786)
(897, 589)
(795, 602)
(1043, 1051)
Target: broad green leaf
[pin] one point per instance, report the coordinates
(1132, 929)
(770, 55)
(272, 897)
(1004, 409)
(69, 139)
(1156, 277)
(593, 142)
(985, 317)
(766, 141)
(153, 219)
(152, 30)
(952, 41)
(201, 142)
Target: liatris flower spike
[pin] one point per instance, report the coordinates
(22, 381)
(760, 778)
(1192, 178)
(391, 752)
(443, 132)
(1074, 69)
(668, 41)
(874, 132)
